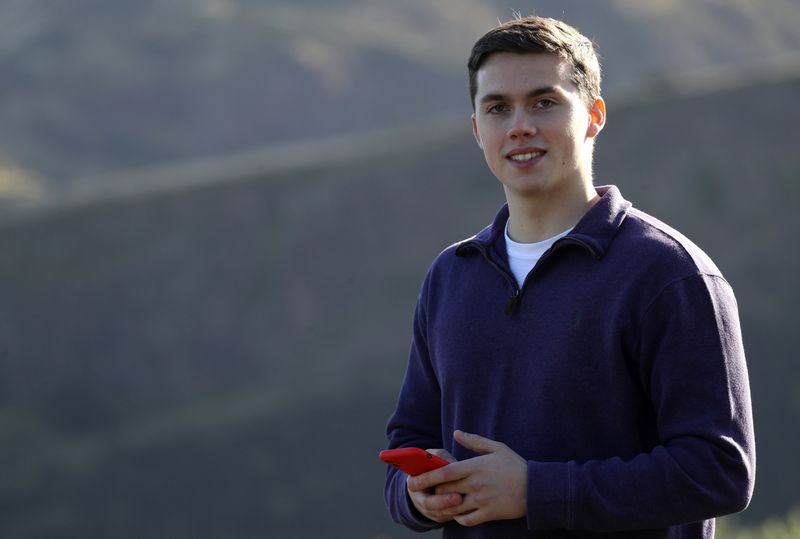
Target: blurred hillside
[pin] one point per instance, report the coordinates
(219, 361)
(92, 86)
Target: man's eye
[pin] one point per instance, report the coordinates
(495, 109)
(544, 103)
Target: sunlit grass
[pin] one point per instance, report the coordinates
(787, 527)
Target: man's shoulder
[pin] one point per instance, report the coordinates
(651, 239)
(450, 254)
(477, 243)
(453, 257)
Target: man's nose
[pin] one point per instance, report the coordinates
(522, 127)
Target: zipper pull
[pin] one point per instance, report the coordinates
(511, 306)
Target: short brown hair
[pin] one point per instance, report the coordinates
(540, 35)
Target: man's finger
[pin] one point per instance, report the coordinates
(442, 502)
(445, 474)
(473, 518)
(476, 443)
(442, 454)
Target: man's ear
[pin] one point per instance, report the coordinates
(475, 131)
(597, 117)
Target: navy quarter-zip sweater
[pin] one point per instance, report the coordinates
(617, 372)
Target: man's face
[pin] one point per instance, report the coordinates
(533, 126)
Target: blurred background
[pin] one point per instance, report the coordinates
(215, 216)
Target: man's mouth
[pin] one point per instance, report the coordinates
(526, 156)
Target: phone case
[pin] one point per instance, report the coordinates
(412, 460)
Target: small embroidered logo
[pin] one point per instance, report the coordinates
(576, 319)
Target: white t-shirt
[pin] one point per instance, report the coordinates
(523, 256)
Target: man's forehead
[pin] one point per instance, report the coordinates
(507, 71)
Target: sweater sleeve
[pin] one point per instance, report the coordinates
(416, 422)
(692, 365)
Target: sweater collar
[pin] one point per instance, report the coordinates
(594, 232)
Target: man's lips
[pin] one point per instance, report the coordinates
(525, 155)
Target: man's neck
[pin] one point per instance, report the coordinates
(541, 216)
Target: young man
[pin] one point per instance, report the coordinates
(579, 362)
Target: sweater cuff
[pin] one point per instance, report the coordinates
(407, 514)
(416, 520)
(549, 495)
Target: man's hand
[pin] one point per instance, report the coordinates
(435, 505)
(492, 486)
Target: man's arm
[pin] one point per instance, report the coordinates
(692, 365)
(416, 422)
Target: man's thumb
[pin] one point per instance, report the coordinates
(476, 443)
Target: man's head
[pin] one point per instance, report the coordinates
(535, 87)
(541, 35)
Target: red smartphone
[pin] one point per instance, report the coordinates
(412, 460)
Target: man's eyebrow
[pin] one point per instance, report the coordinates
(541, 91)
(533, 93)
